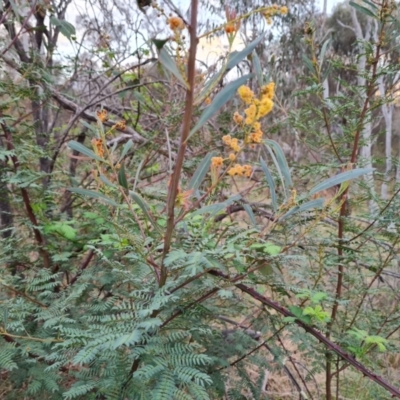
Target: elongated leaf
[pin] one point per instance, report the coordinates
(105, 180)
(167, 61)
(201, 172)
(258, 69)
(272, 154)
(114, 146)
(159, 43)
(250, 213)
(122, 177)
(125, 150)
(340, 178)
(310, 205)
(219, 101)
(308, 63)
(237, 56)
(209, 85)
(88, 126)
(326, 72)
(145, 208)
(15, 9)
(128, 339)
(271, 184)
(65, 27)
(362, 9)
(139, 97)
(214, 209)
(5, 316)
(139, 168)
(323, 51)
(83, 149)
(93, 195)
(374, 6)
(283, 165)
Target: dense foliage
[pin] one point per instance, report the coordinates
(173, 229)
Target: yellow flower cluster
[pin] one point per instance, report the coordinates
(237, 118)
(231, 15)
(256, 137)
(273, 10)
(102, 115)
(257, 109)
(268, 90)
(240, 170)
(246, 94)
(98, 147)
(176, 23)
(233, 143)
(217, 161)
(229, 29)
(121, 125)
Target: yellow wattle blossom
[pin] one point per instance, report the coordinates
(247, 170)
(246, 94)
(237, 118)
(240, 170)
(229, 29)
(268, 90)
(236, 170)
(98, 146)
(207, 101)
(265, 107)
(235, 145)
(227, 140)
(231, 15)
(217, 161)
(176, 24)
(273, 10)
(120, 125)
(102, 115)
(250, 114)
(258, 108)
(256, 137)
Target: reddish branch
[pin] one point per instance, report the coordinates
(370, 89)
(25, 196)
(187, 119)
(318, 335)
(83, 266)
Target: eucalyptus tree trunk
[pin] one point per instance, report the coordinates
(366, 147)
(387, 111)
(6, 217)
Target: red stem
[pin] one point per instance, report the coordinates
(25, 196)
(187, 119)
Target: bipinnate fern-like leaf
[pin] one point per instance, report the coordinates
(165, 386)
(7, 352)
(78, 390)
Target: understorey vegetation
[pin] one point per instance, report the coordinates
(182, 226)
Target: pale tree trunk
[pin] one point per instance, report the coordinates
(325, 8)
(387, 111)
(6, 216)
(398, 169)
(366, 148)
